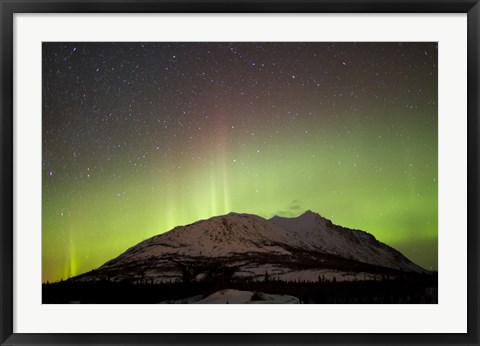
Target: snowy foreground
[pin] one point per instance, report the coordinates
(229, 296)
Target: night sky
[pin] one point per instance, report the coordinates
(141, 137)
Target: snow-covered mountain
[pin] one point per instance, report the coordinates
(243, 246)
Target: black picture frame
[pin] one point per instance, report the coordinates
(10, 7)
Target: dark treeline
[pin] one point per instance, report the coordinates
(409, 288)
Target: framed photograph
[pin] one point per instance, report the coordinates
(239, 173)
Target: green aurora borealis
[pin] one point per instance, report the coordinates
(141, 137)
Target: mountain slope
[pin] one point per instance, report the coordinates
(216, 237)
(322, 235)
